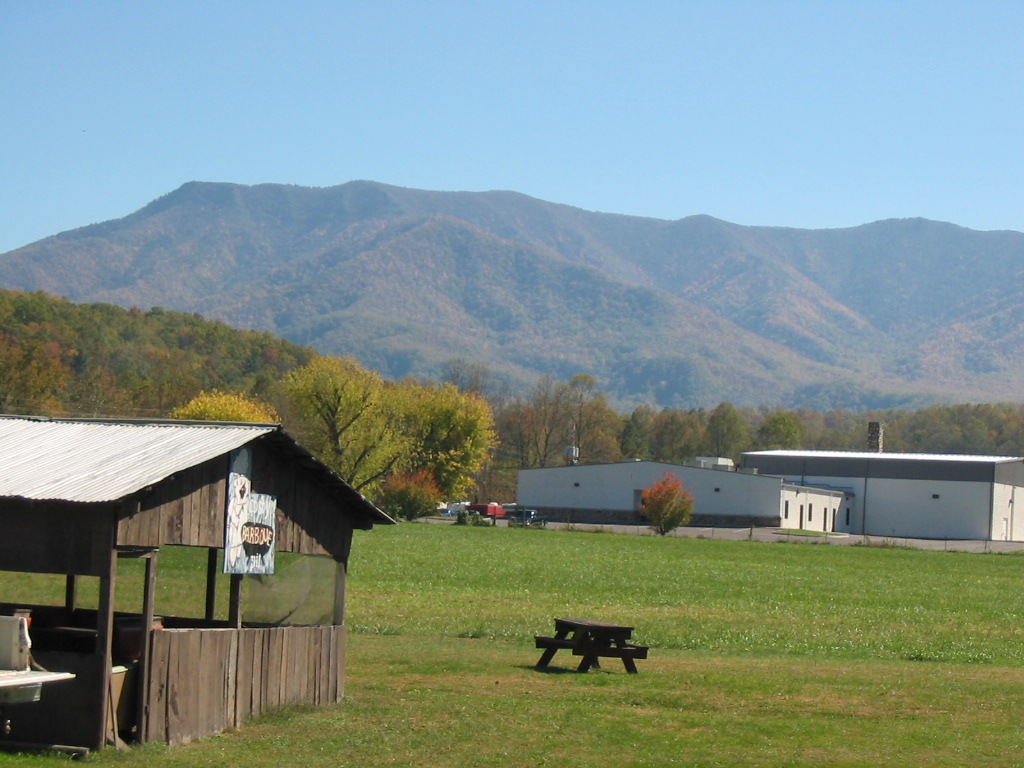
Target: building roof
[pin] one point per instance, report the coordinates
(893, 466)
(103, 460)
(877, 456)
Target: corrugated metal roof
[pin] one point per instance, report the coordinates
(891, 466)
(96, 461)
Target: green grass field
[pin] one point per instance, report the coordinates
(761, 655)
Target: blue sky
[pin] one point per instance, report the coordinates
(805, 114)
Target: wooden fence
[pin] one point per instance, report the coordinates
(203, 681)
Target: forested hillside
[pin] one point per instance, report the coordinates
(59, 358)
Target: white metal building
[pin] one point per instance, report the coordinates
(921, 495)
(611, 493)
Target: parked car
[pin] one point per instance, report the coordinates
(526, 518)
(490, 510)
(452, 509)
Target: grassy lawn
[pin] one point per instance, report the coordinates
(761, 655)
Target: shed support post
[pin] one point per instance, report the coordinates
(211, 584)
(70, 595)
(104, 638)
(235, 606)
(142, 671)
(339, 592)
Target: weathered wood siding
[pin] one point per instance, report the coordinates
(188, 508)
(204, 681)
(56, 537)
(310, 519)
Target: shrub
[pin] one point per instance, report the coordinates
(667, 504)
(410, 495)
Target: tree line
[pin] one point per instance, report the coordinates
(560, 422)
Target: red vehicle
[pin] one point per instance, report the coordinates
(491, 510)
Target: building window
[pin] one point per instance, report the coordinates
(810, 512)
(847, 517)
(785, 511)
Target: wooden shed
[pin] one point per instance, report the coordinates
(78, 494)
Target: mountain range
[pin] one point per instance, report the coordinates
(682, 313)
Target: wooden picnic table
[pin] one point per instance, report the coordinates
(591, 640)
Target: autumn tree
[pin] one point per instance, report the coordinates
(667, 505)
(538, 430)
(579, 395)
(594, 428)
(677, 436)
(409, 495)
(451, 434)
(368, 430)
(534, 431)
(550, 422)
(515, 429)
(348, 420)
(225, 406)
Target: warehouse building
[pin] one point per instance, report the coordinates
(928, 496)
(723, 495)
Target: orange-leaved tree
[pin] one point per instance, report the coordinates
(667, 504)
(410, 495)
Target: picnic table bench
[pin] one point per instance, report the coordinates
(591, 640)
